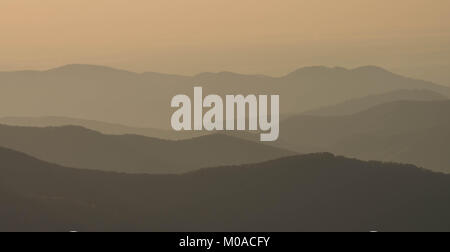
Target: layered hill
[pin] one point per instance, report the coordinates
(143, 99)
(358, 105)
(103, 127)
(318, 192)
(405, 131)
(82, 148)
(345, 108)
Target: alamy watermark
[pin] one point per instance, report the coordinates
(229, 115)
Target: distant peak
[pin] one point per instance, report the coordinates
(316, 70)
(371, 69)
(85, 68)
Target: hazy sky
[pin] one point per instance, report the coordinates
(248, 36)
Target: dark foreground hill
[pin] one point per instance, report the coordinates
(82, 148)
(318, 192)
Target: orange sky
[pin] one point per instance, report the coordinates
(249, 36)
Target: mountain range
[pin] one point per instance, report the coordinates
(317, 192)
(75, 146)
(143, 99)
(345, 108)
(416, 132)
(358, 105)
(121, 168)
(413, 129)
(103, 127)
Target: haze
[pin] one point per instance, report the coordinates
(248, 36)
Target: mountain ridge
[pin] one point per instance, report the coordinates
(361, 104)
(143, 100)
(75, 67)
(103, 127)
(75, 146)
(297, 193)
(400, 131)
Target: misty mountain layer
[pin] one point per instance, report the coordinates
(143, 100)
(103, 127)
(358, 105)
(346, 108)
(405, 131)
(82, 148)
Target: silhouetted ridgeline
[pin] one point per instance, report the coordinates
(103, 127)
(346, 108)
(405, 131)
(110, 95)
(317, 192)
(82, 148)
(358, 105)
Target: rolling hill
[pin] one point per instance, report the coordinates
(405, 131)
(318, 192)
(346, 108)
(103, 127)
(358, 105)
(143, 99)
(82, 148)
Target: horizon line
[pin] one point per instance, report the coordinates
(106, 67)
